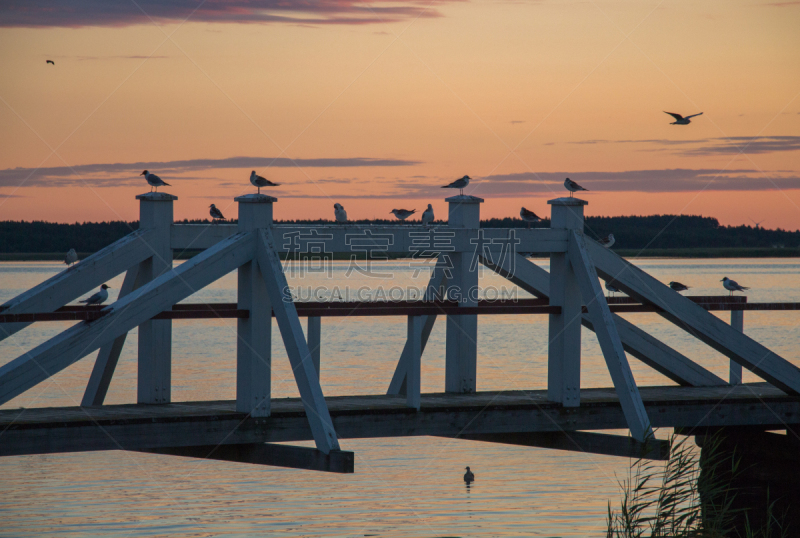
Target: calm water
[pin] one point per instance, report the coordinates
(402, 487)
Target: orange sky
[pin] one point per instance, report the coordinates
(516, 94)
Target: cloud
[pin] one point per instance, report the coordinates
(515, 122)
(716, 146)
(124, 173)
(80, 13)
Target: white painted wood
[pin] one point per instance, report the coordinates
(696, 320)
(155, 335)
(314, 332)
(735, 369)
(108, 356)
(295, 343)
(83, 338)
(78, 279)
(679, 368)
(610, 343)
(413, 372)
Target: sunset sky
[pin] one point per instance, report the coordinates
(377, 104)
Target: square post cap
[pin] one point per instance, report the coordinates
(156, 197)
(567, 201)
(464, 199)
(255, 199)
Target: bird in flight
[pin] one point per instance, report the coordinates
(680, 120)
(51, 62)
(607, 242)
(427, 216)
(572, 187)
(732, 285)
(215, 213)
(154, 181)
(72, 257)
(677, 286)
(460, 184)
(402, 214)
(528, 216)
(97, 298)
(259, 181)
(339, 213)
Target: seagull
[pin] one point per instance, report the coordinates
(51, 62)
(154, 181)
(427, 216)
(612, 288)
(680, 120)
(72, 257)
(677, 286)
(469, 477)
(259, 181)
(572, 187)
(402, 214)
(98, 297)
(459, 184)
(607, 242)
(215, 213)
(528, 216)
(732, 285)
(339, 213)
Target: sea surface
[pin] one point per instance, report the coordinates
(402, 486)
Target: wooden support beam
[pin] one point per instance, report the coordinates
(695, 320)
(609, 340)
(314, 336)
(587, 442)
(295, 343)
(735, 369)
(79, 279)
(78, 341)
(414, 364)
(293, 457)
(654, 353)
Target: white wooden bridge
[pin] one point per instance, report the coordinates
(247, 429)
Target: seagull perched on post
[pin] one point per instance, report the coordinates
(154, 181)
(572, 187)
(402, 214)
(528, 216)
(339, 213)
(677, 286)
(680, 120)
(259, 181)
(607, 242)
(469, 476)
(460, 184)
(215, 213)
(51, 62)
(72, 257)
(732, 285)
(97, 298)
(427, 216)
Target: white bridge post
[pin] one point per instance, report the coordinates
(461, 355)
(735, 372)
(254, 334)
(564, 351)
(155, 336)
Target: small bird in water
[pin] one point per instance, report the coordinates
(215, 213)
(339, 213)
(612, 288)
(572, 187)
(402, 214)
(469, 477)
(528, 216)
(97, 298)
(427, 216)
(259, 181)
(680, 120)
(732, 285)
(72, 257)
(51, 62)
(154, 181)
(677, 286)
(607, 242)
(460, 184)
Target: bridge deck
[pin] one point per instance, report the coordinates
(136, 426)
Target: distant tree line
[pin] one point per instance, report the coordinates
(652, 232)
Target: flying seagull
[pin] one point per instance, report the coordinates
(154, 181)
(677, 286)
(427, 216)
(215, 213)
(259, 181)
(612, 288)
(680, 120)
(97, 298)
(607, 242)
(51, 62)
(528, 216)
(459, 184)
(339, 213)
(72, 257)
(402, 214)
(732, 285)
(572, 187)
(469, 476)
